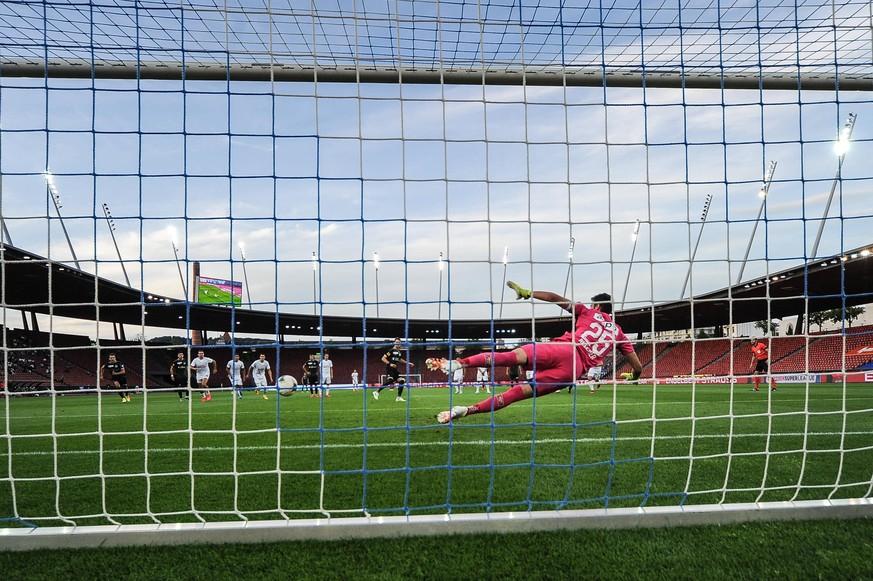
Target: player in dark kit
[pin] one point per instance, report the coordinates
(310, 375)
(118, 376)
(179, 375)
(392, 359)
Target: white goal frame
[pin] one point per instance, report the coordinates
(366, 527)
(755, 56)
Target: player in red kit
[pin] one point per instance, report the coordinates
(556, 364)
(759, 363)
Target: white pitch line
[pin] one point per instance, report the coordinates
(521, 442)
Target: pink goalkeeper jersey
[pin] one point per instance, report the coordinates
(595, 335)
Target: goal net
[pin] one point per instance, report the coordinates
(289, 188)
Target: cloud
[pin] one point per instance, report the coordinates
(528, 169)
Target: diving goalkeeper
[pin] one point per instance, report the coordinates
(557, 363)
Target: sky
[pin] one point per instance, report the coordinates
(413, 172)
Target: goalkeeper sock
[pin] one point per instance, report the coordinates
(500, 359)
(498, 401)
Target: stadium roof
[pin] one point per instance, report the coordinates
(34, 283)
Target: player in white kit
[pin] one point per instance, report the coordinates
(482, 379)
(326, 374)
(261, 374)
(592, 378)
(235, 372)
(204, 366)
(355, 380)
(458, 380)
(594, 375)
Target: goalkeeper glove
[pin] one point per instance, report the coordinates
(520, 293)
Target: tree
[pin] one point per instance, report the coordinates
(768, 327)
(818, 318)
(852, 313)
(847, 314)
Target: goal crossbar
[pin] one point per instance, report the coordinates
(542, 76)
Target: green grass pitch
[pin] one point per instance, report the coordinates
(86, 460)
(207, 293)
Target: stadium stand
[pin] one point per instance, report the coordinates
(76, 363)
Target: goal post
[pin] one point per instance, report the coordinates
(407, 526)
(346, 177)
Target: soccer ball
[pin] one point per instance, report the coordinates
(286, 385)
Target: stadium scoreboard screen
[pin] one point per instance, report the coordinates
(218, 291)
